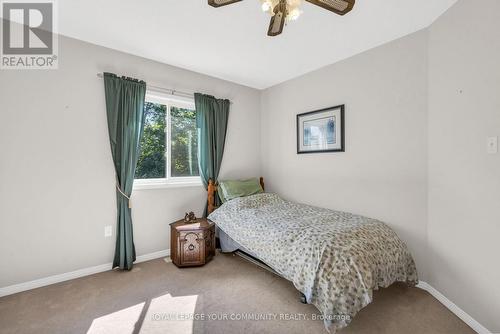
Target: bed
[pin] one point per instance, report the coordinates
(335, 259)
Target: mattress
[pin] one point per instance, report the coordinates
(336, 259)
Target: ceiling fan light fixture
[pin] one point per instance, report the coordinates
(283, 11)
(269, 5)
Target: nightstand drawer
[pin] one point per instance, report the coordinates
(192, 248)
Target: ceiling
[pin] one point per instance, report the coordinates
(231, 42)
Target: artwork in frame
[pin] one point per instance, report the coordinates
(321, 131)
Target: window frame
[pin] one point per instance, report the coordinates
(169, 181)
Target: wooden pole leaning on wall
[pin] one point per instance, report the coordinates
(262, 183)
(212, 188)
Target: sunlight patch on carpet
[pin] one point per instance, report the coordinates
(122, 321)
(163, 314)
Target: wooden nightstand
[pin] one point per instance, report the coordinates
(192, 244)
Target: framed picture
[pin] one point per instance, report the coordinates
(321, 131)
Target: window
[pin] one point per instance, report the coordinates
(169, 144)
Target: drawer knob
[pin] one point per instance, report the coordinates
(191, 247)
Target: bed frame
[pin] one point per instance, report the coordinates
(212, 192)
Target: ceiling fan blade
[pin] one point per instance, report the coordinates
(278, 19)
(219, 3)
(340, 7)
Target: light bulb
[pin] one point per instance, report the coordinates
(266, 6)
(294, 14)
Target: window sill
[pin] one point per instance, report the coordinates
(166, 185)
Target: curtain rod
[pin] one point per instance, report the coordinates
(170, 91)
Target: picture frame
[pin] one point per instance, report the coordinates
(321, 131)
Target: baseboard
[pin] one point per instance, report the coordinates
(475, 325)
(9, 290)
(152, 256)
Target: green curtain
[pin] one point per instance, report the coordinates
(211, 119)
(125, 111)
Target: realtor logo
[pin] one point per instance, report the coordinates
(28, 38)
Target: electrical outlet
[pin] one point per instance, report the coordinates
(108, 231)
(492, 145)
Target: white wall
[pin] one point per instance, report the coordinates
(57, 187)
(383, 173)
(464, 181)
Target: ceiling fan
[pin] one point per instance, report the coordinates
(289, 10)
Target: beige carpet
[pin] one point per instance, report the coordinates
(146, 299)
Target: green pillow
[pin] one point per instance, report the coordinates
(238, 188)
(221, 194)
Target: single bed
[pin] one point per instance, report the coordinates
(336, 259)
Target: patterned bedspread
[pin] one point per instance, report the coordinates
(336, 259)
